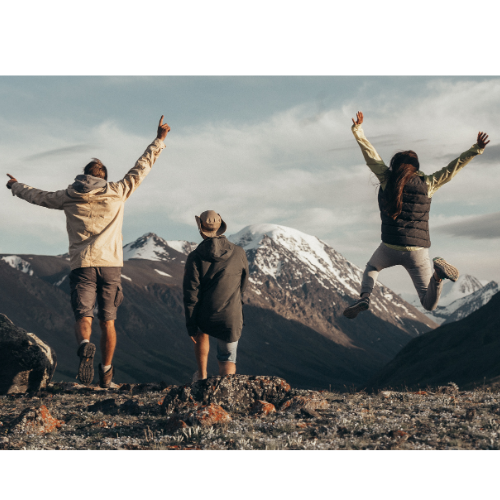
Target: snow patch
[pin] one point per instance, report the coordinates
(151, 247)
(16, 262)
(163, 273)
(60, 282)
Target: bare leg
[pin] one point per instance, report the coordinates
(83, 329)
(201, 349)
(108, 341)
(227, 368)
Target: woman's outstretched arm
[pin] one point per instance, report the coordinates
(372, 158)
(441, 177)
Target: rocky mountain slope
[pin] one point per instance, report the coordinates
(294, 326)
(465, 352)
(459, 299)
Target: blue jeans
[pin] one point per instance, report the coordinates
(226, 351)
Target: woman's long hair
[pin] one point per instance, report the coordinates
(403, 166)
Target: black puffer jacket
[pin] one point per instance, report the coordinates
(411, 227)
(215, 277)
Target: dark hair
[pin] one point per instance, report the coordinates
(402, 168)
(96, 169)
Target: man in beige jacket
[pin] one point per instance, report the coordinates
(94, 219)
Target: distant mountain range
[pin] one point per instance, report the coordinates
(458, 299)
(294, 327)
(466, 352)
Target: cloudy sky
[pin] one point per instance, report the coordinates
(256, 149)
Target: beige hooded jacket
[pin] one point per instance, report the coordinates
(94, 219)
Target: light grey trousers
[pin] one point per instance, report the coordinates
(418, 265)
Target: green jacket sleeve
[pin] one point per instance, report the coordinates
(191, 290)
(441, 177)
(372, 158)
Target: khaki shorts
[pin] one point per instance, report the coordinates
(90, 283)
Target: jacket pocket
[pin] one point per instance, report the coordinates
(119, 296)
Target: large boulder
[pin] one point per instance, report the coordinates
(26, 363)
(232, 392)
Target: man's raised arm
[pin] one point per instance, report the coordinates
(47, 199)
(143, 165)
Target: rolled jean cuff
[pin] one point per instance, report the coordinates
(226, 351)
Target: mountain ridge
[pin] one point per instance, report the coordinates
(294, 325)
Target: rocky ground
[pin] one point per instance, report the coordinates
(241, 412)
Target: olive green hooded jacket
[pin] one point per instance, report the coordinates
(215, 276)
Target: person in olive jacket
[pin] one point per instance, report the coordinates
(215, 277)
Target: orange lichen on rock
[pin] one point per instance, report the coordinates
(35, 421)
(286, 386)
(209, 415)
(262, 408)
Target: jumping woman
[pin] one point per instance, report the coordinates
(404, 200)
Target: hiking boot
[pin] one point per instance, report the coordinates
(105, 378)
(86, 369)
(359, 306)
(445, 270)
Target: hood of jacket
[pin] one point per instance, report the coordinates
(87, 183)
(215, 249)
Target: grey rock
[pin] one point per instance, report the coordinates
(232, 392)
(131, 407)
(309, 413)
(26, 363)
(104, 406)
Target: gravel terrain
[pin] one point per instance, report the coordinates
(69, 416)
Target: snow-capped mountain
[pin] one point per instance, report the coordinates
(291, 267)
(16, 262)
(152, 247)
(459, 299)
(452, 291)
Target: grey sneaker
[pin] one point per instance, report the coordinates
(359, 306)
(86, 354)
(105, 378)
(445, 270)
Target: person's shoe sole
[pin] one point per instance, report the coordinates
(446, 270)
(352, 311)
(86, 368)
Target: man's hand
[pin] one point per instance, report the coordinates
(12, 180)
(163, 130)
(194, 338)
(481, 140)
(359, 118)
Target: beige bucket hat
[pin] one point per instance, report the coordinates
(210, 224)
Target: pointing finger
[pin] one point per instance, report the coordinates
(11, 176)
(161, 121)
